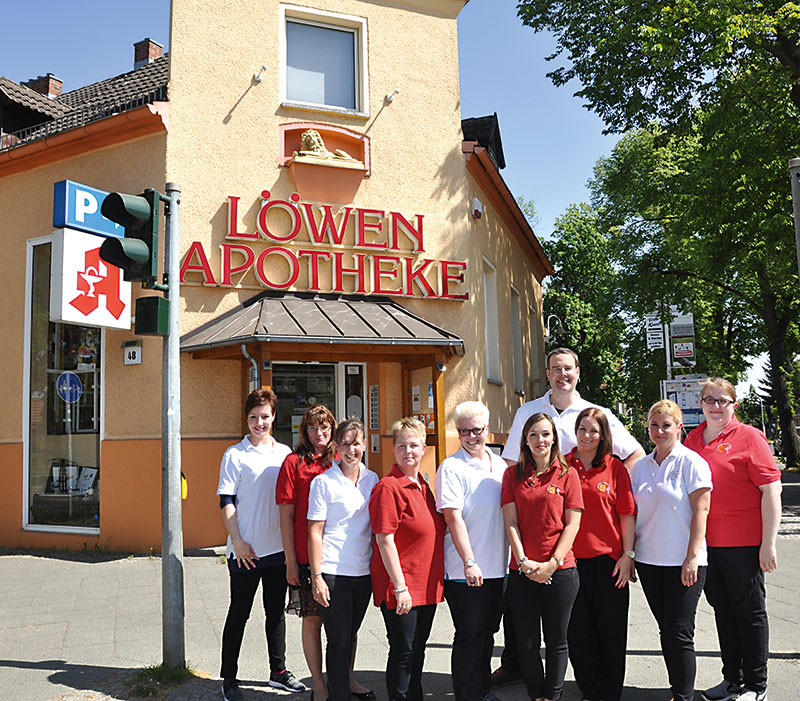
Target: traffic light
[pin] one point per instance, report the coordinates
(137, 253)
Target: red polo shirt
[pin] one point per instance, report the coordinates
(400, 506)
(292, 487)
(541, 502)
(741, 462)
(607, 495)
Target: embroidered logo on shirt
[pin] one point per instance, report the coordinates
(724, 448)
(553, 489)
(603, 487)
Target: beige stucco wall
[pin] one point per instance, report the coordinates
(223, 140)
(26, 200)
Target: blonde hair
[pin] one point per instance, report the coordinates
(666, 406)
(409, 424)
(722, 384)
(468, 410)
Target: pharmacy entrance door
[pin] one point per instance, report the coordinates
(339, 386)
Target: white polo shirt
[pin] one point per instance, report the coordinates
(663, 508)
(344, 506)
(624, 442)
(249, 473)
(462, 482)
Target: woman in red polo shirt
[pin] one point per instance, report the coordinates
(742, 528)
(598, 627)
(407, 567)
(542, 502)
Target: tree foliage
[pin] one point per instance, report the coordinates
(640, 62)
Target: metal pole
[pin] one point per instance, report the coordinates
(794, 170)
(172, 599)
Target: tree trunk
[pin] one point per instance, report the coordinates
(779, 362)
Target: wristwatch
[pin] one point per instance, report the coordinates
(559, 560)
(631, 554)
(470, 562)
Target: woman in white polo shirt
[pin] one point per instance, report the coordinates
(476, 551)
(246, 492)
(672, 490)
(339, 551)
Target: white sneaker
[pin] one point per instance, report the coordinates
(748, 695)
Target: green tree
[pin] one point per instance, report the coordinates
(705, 216)
(582, 294)
(656, 61)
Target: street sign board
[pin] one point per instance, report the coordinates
(69, 387)
(84, 289)
(655, 331)
(77, 206)
(685, 392)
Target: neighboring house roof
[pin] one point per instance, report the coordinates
(486, 131)
(120, 88)
(25, 97)
(303, 317)
(88, 104)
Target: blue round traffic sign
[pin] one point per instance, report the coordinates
(69, 387)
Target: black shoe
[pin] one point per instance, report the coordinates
(231, 691)
(502, 677)
(368, 695)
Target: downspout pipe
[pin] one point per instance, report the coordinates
(253, 363)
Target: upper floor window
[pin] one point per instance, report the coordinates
(324, 60)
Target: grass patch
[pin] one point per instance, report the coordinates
(156, 680)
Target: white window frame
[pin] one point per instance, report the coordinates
(491, 323)
(26, 401)
(328, 20)
(516, 341)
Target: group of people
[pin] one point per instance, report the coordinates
(546, 538)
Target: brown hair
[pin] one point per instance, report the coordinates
(526, 463)
(260, 397)
(606, 446)
(722, 384)
(317, 414)
(351, 424)
(562, 351)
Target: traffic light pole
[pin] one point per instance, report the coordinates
(172, 598)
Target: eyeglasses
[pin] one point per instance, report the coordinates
(464, 432)
(319, 428)
(711, 401)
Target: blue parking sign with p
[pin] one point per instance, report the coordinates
(77, 206)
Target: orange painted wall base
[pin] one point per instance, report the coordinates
(130, 502)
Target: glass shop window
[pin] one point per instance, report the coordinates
(64, 418)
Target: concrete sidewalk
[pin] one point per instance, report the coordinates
(72, 629)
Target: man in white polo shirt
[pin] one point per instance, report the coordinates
(563, 403)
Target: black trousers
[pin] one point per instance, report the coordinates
(542, 608)
(349, 598)
(407, 635)
(735, 589)
(476, 615)
(243, 591)
(508, 658)
(598, 631)
(674, 607)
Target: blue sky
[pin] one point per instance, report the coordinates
(550, 141)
